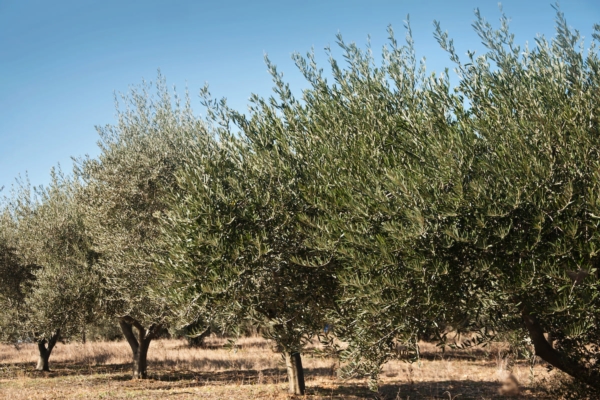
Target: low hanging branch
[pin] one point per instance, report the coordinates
(546, 352)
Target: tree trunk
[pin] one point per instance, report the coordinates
(295, 372)
(140, 363)
(45, 349)
(546, 352)
(140, 345)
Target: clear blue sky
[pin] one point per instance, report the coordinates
(61, 61)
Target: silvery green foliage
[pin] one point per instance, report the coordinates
(524, 219)
(232, 229)
(473, 209)
(15, 278)
(370, 131)
(53, 280)
(124, 195)
(383, 201)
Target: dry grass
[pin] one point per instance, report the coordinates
(252, 370)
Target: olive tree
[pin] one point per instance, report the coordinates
(527, 218)
(472, 209)
(49, 262)
(15, 278)
(465, 209)
(232, 230)
(123, 195)
(374, 130)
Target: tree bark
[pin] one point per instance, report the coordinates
(546, 352)
(45, 349)
(295, 372)
(140, 344)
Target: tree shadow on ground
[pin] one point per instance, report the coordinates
(157, 371)
(320, 382)
(463, 389)
(221, 346)
(445, 390)
(246, 376)
(470, 354)
(58, 369)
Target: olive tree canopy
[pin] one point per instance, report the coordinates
(124, 193)
(52, 284)
(467, 209)
(233, 234)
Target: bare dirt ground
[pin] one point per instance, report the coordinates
(102, 370)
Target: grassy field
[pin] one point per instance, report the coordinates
(101, 370)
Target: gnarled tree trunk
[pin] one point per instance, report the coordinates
(140, 344)
(295, 372)
(45, 349)
(546, 352)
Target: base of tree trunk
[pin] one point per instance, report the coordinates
(140, 360)
(140, 345)
(42, 364)
(45, 349)
(295, 372)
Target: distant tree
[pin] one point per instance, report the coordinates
(49, 267)
(124, 193)
(15, 278)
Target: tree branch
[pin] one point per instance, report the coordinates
(127, 329)
(53, 340)
(132, 321)
(546, 352)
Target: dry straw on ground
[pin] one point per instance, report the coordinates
(252, 370)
